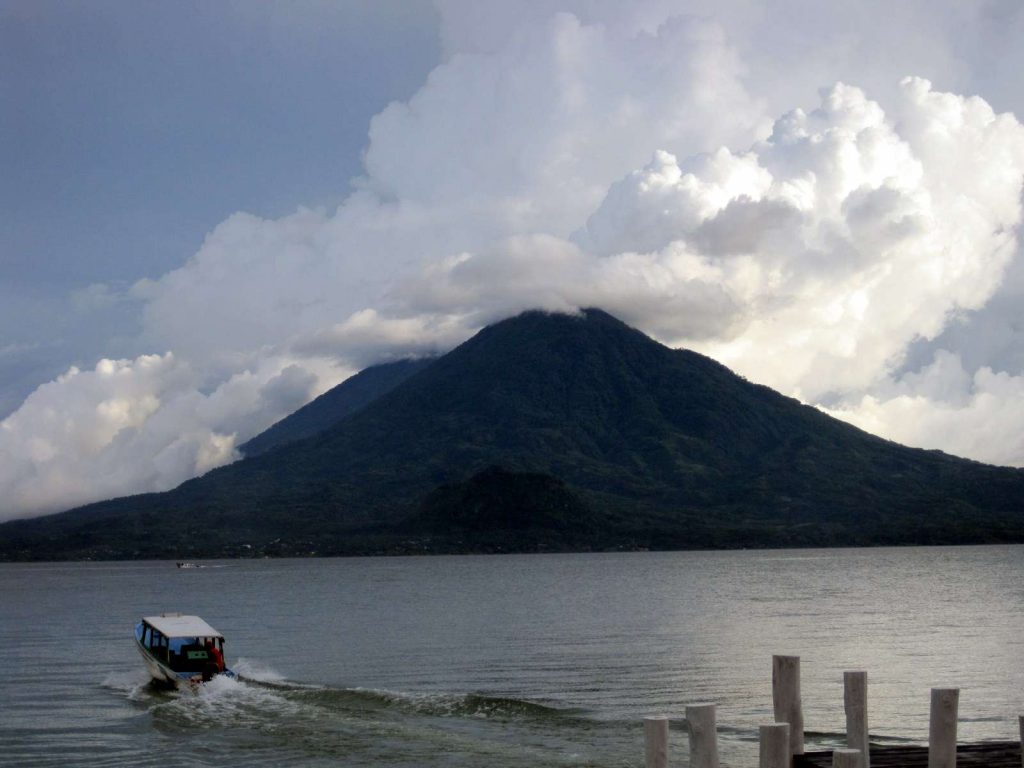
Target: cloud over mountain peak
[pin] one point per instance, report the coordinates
(641, 161)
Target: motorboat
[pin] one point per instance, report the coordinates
(180, 650)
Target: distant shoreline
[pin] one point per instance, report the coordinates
(201, 560)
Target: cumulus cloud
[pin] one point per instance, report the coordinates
(131, 426)
(367, 337)
(905, 221)
(564, 107)
(522, 140)
(615, 155)
(944, 407)
(810, 261)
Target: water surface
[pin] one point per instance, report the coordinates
(521, 660)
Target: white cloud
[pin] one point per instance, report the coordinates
(621, 156)
(539, 127)
(367, 337)
(523, 140)
(907, 221)
(809, 262)
(945, 407)
(131, 426)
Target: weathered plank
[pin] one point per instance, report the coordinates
(994, 754)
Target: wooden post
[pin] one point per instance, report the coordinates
(942, 728)
(845, 758)
(786, 698)
(656, 742)
(700, 721)
(1020, 718)
(775, 746)
(855, 701)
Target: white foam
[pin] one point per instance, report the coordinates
(134, 683)
(252, 670)
(227, 700)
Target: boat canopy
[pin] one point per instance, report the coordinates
(175, 625)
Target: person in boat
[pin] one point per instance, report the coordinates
(215, 653)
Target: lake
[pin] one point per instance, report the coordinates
(518, 660)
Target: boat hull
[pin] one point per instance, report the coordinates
(163, 675)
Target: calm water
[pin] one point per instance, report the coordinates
(534, 660)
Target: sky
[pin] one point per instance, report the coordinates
(213, 212)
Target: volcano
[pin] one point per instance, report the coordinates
(548, 432)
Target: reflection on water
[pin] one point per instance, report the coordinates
(539, 660)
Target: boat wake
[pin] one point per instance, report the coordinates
(440, 704)
(135, 684)
(225, 701)
(254, 672)
(355, 723)
(370, 700)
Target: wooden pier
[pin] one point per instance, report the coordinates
(995, 754)
(782, 741)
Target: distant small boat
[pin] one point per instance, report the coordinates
(179, 650)
(187, 565)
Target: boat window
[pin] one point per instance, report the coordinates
(187, 654)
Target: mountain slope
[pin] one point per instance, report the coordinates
(666, 448)
(334, 405)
